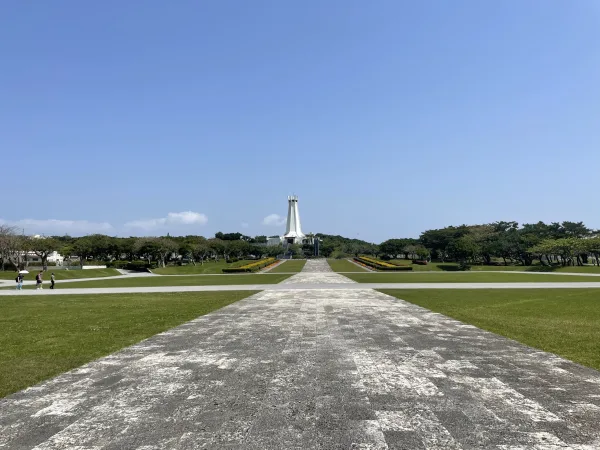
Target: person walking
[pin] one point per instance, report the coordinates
(39, 278)
(52, 281)
(19, 281)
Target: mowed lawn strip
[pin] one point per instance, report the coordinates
(564, 322)
(294, 265)
(190, 269)
(41, 337)
(174, 280)
(466, 277)
(343, 265)
(453, 267)
(62, 274)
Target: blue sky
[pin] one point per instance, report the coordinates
(386, 118)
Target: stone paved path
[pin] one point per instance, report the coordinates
(318, 272)
(303, 369)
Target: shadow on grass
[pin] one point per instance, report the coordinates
(448, 267)
(552, 268)
(541, 268)
(455, 268)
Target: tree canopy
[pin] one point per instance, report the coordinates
(506, 242)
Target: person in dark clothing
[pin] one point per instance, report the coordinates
(52, 281)
(39, 279)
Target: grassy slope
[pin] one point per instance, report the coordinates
(465, 277)
(562, 321)
(343, 265)
(436, 267)
(41, 337)
(207, 267)
(293, 265)
(63, 274)
(201, 280)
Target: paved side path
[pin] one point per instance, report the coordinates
(304, 369)
(31, 281)
(365, 268)
(268, 269)
(297, 284)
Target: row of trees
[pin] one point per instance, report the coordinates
(17, 250)
(566, 243)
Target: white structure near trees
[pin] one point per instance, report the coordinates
(293, 230)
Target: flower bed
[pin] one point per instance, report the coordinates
(251, 267)
(380, 265)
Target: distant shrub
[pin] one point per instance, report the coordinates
(338, 254)
(464, 266)
(419, 262)
(117, 264)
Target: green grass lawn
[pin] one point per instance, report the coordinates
(343, 265)
(465, 277)
(41, 337)
(451, 267)
(293, 265)
(189, 280)
(207, 267)
(62, 274)
(562, 321)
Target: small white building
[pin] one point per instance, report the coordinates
(54, 257)
(271, 242)
(57, 258)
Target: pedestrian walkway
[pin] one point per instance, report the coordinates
(317, 271)
(318, 281)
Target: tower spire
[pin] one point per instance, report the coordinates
(293, 230)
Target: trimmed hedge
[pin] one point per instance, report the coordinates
(380, 265)
(251, 267)
(140, 266)
(116, 264)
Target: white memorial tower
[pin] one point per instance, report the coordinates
(293, 231)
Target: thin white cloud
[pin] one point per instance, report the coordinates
(180, 218)
(274, 220)
(55, 226)
(245, 225)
